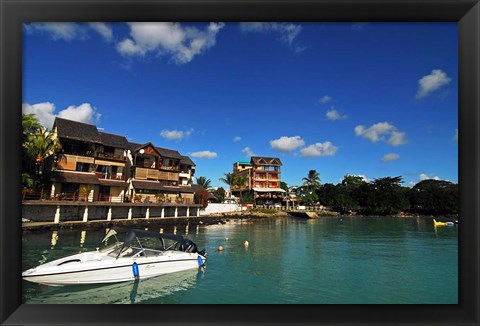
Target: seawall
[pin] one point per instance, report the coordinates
(56, 212)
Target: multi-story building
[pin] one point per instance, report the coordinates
(263, 178)
(160, 174)
(98, 166)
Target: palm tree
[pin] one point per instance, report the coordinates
(229, 179)
(204, 182)
(240, 182)
(30, 124)
(312, 181)
(40, 145)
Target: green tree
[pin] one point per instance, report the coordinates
(309, 199)
(327, 194)
(229, 179)
(39, 146)
(30, 124)
(387, 196)
(204, 182)
(240, 182)
(219, 194)
(337, 197)
(312, 181)
(434, 197)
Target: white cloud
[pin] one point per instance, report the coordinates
(237, 138)
(288, 31)
(44, 112)
(363, 177)
(181, 43)
(429, 83)
(319, 149)
(424, 176)
(390, 157)
(58, 31)
(287, 144)
(70, 31)
(103, 29)
(397, 138)
(204, 154)
(456, 135)
(325, 99)
(335, 115)
(175, 134)
(248, 152)
(82, 113)
(379, 131)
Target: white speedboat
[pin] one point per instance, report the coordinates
(121, 261)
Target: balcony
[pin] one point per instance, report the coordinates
(111, 156)
(110, 176)
(147, 173)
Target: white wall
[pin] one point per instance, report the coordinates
(219, 208)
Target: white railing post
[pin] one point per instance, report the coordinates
(56, 220)
(85, 214)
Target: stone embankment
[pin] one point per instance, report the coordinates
(167, 222)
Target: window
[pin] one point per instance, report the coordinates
(82, 167)
(108, 150)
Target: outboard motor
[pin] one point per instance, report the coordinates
(189, 246)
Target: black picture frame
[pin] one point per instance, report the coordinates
(16, 12)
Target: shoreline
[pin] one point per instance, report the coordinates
(211, 219)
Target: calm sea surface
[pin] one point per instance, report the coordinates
(289, 260)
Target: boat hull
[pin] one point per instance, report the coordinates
(104, 269)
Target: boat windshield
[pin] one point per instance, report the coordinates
(111, 247)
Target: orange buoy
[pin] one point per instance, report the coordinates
(220, 248)
(245, 243)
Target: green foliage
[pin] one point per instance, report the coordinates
(312, 181)
(339, 197)
(434, 197)
(204, 182)
(248, 197)
(28, 182)
(264, 211)
(309, 199)
(235, 180)
(386, 196)
(220, 194)
(229, 179)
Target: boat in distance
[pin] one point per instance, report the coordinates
(121, 261)
(438, 223)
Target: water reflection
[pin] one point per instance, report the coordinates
(138, 291)
(54, 239)
(83, 235)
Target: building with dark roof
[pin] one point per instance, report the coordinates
(97, 166)
(263, 178)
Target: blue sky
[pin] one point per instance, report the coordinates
(369, 99)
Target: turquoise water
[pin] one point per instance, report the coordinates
(359, 260)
